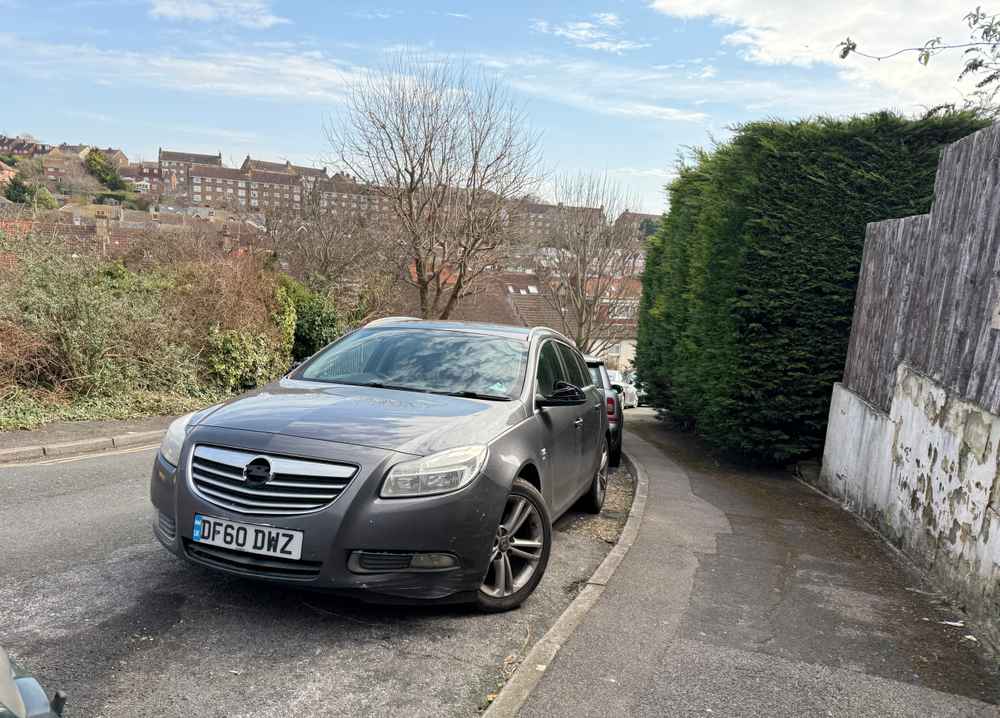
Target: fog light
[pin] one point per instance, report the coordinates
(433, 561)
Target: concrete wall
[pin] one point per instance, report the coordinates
(925, 476)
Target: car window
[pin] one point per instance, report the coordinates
(550, 370)
(580, 362)
(577, 377)
(595, 374)
(427, 360)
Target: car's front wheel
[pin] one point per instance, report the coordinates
(520, 550)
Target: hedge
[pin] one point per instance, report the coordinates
(749, 285)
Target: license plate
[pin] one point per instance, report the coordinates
(251, 538)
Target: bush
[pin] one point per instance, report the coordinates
(17, 190)
(85, 338)
(749, 285)
(316, 320)
(241, 360)
(104, 171)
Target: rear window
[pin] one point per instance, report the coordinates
(595, 373)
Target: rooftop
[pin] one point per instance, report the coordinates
(192, 157)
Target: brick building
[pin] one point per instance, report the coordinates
(309, 175)
(254, 191)
(175, 168)
(22, 148)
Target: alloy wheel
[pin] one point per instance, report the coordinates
(602, 474)
(517, 548)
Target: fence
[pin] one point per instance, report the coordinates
(930, 285)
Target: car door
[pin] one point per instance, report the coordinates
(560, 433)
(588, 417)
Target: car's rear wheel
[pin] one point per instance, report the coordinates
(520, 550)
(593, 500)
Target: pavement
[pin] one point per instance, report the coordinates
(748, 594)
(74, 438)
(93, 605)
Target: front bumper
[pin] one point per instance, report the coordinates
(461, 524)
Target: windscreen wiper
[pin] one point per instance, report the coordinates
(474, 395)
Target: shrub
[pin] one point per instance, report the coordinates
(243, 360)
(17, 190)
(86, 338)
(104, 171)
(749, 285)
(316, 320)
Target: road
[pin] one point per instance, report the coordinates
(92, 604)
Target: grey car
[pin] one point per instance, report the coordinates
(407, 461)
(614, 404)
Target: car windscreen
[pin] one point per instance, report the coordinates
(437, 361)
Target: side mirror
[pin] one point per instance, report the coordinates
(564, 395)
(618, 388)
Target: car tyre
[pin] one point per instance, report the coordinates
(525, 530)
(593, 500)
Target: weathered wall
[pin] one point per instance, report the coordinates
(914, 430)
(857, 457)
(925, 475)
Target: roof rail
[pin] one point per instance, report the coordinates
(531, 333)
(391, 320)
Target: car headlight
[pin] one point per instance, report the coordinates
(173, 440)
(435, 474)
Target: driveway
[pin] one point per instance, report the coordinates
(93, 605)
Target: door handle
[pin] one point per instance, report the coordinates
(578, 423)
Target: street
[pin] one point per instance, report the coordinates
(93, 605)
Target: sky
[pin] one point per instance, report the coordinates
(617, 87)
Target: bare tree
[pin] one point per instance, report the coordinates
(345, 255)
(589, 262)
(446, 153)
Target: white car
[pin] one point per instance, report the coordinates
(630, 398)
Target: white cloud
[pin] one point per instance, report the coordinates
(459, 15)
(806, 34)
(599, 33)
(248, 13)
(295, 77)
(373, 14)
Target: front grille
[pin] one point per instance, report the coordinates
(251, 564)
(297, 486)
(168, 527)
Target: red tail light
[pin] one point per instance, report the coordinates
(611, 407)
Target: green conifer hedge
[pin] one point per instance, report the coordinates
(748, 291)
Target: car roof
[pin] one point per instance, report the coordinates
(591, 359)
(508, 331)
